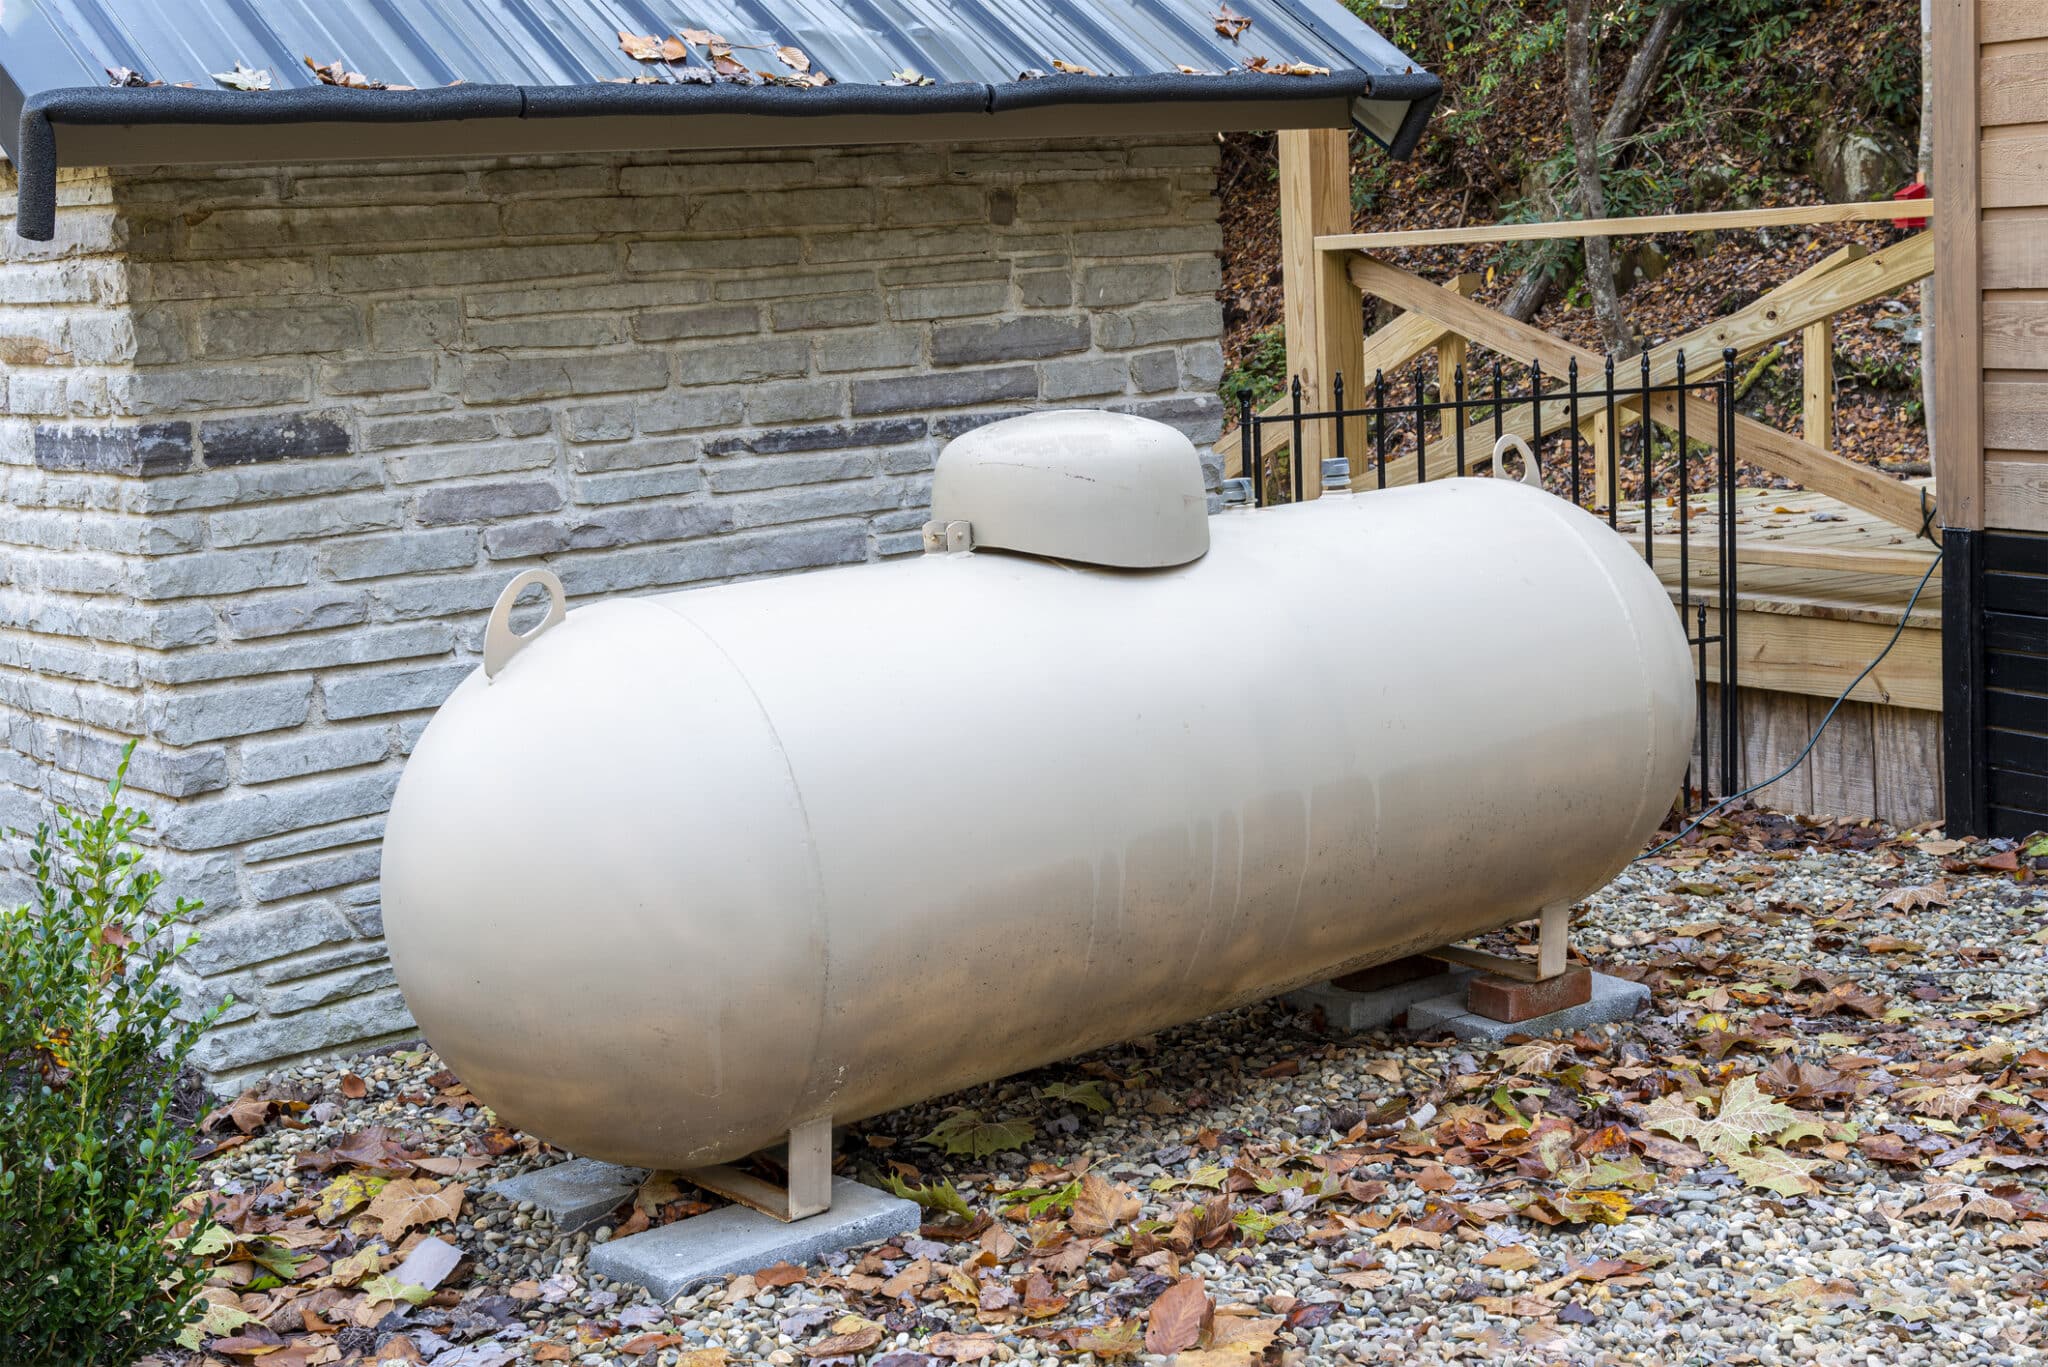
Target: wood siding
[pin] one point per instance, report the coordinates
(1991, 356)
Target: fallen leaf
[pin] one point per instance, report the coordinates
(1102, 1206)
(962, 1347)
(794, 58)
(1074, 69)
(850, 1334)
(1773, 1169)
(410, 1201)
(1512, 1257)
(1179, 1316)
(1229, 23)
(649, 1343)
(244, 77)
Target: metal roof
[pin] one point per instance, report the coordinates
(501, 67)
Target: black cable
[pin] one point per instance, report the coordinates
(1800, 759)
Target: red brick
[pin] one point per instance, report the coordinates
(1506, 999)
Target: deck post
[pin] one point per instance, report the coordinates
(1818, 416)
(1325, 317)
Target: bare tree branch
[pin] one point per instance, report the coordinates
(1592, 196)
(1624, 116)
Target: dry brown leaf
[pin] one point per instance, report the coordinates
(1512, 1257)
(780, 1274)
(650, 1343)
(850, 1334)
(353, 1087)
(962, 1347)
(1408, 1236)
(1073, 68)
(1179, 1317)
(795, 58)
(1229, 23)
(406, 1202)
(1102, 1206)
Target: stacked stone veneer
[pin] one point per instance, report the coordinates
(273, 441)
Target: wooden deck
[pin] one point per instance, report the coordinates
(1820, 588)
(1812, 616)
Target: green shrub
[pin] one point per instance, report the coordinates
(93, 1159)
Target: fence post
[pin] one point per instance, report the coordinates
(1818, 419)
(1324, 317)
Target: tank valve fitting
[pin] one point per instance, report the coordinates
(1237, 493)
(1337, 475)
(943, 537)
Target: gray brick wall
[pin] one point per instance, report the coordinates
(272, 441)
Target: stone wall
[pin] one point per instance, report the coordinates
(274, 439)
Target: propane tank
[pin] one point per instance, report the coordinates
(672, 875)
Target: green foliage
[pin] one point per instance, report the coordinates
(1262, 374)
(1088, 1094)
(940, 1198)
(93, 1162)
(965, 1132)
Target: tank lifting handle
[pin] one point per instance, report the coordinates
(1532, 475)
(501, 643)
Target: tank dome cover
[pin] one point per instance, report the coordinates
(1098, 488)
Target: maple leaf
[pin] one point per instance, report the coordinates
(1963, 1201)
(1240, 1340)
(1773, 1169)
(1408, 1236)
(965, 1132)
(1101, 1206)
(1949, 1098)
(1511, 1257)
(1541, 1056)
(345, 1195)
(1229, 23)
(1745, 1115)
(1088, 1094)
(645, 47)
(1179, 1317)
(410, 1201)
(1916, 898)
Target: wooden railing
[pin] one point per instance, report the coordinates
(1330, 275)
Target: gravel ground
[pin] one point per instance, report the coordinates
(1822, 1144)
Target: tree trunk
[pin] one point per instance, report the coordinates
(1623, 118)
(1927, 302)
(1592, 196)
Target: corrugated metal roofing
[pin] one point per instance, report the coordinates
(484, 59)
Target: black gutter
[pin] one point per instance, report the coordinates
(36, 216)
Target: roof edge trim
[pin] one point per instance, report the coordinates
(36, 213)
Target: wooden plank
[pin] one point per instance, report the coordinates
(1774, 729)
(1856, 485)
(2016, 491)
(1958, 439)
(2015, 414)
(1818, 656)
(2015, 333)
(1844, 760)
(1829, 559)
(2012, 171)
(2002, 21)
(1793, 216)
(2013, 248)
(1906, 755)
(2012, 89)
(1325, 320)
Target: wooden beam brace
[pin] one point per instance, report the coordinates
(1858, 486)
(1795, 216)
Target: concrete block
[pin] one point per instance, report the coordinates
(577, 1194)
(1357, 1012)
(1613, 999)
(670, 1260)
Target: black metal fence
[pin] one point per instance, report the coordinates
(1676, 457)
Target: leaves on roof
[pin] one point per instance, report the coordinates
(336, 73)
(908, 76)
(1266, 66)
(129, 78)
(1073, 68)
(1229, 23)
(724, 66)
(648, 48)
(244, 77)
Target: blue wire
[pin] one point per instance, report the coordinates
(1904, 618)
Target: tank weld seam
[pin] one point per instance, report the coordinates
(813, 1084)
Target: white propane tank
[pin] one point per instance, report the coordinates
(678, 874)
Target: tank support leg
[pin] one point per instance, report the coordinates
(1553, 940)
(810, 1177)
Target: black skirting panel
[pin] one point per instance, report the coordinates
(1996, 658)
